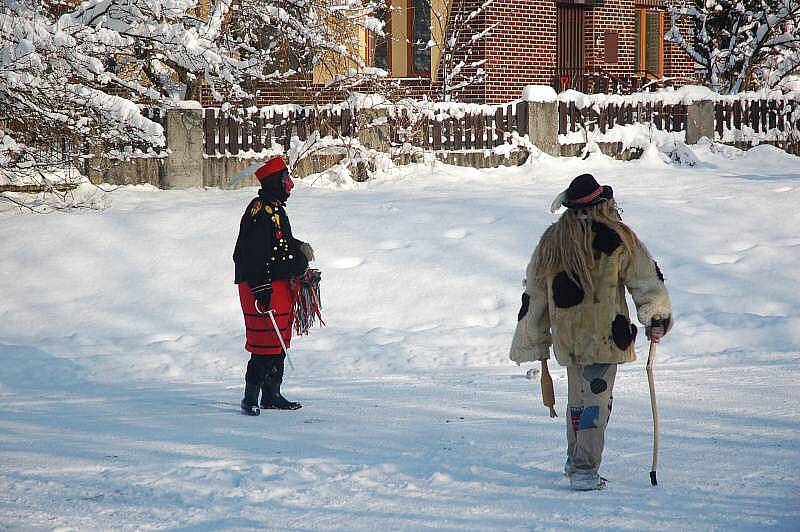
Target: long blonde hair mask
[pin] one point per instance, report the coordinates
(567, 244)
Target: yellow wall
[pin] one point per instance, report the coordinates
(440, 11)
(331, 64)
(399, 38)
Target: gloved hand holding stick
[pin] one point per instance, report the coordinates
(548, 394)
(650, 360)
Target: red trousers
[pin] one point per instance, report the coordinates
(260, 333)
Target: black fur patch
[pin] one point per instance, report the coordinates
(526, 300)
(605, 238)
(658, 272)
(598, 386)
(623, 332)
(566, 292)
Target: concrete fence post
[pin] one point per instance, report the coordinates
(183, 129)
(373, 129)
(699, 121)
(542, 103)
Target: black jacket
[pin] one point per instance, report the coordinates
(265, 249)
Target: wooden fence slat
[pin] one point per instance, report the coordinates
(302, 125)
(468, 130)
(209, 130)
(773, 114)
(602, 120)
(521, 124)
(258, 131)
(458, 133)
(755, 115)
(246, 131)
(510, 124)
(222, 132)
(437, 134)
(233, 134)
(499, 130)
(562, 118)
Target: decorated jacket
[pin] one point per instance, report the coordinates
(590, 329)
(265, 248)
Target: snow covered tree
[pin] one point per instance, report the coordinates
(461, 29)
(742, 44)
(73, 77)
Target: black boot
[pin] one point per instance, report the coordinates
(250, 401)
(271, 398)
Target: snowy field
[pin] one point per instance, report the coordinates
(122, 363)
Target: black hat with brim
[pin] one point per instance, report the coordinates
(585, 191)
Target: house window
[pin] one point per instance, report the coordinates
(420, 30)
(380, 43)
(649, 58)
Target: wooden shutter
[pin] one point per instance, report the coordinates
(611, 47)
(654, 43)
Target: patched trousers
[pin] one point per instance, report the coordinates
(588, 409)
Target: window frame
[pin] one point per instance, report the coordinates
(411, 11)
(640, 50)
(372, 40)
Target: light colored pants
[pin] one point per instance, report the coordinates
(588, 409)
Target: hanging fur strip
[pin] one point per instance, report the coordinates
(307, 302)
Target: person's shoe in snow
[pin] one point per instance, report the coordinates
(271, 398)
(250, 401)
(249, 409)
(586, 482)
(278, 402)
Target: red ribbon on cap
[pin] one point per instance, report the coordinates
(590, 197)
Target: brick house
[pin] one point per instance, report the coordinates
(588, 45)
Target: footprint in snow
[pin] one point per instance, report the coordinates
(457, 233)
(346, 263)
(742, 245)
(722, 259)
(390, 245)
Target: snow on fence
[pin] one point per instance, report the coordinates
(744, 119)
(451, 127)
(766, 118)
(666, 117)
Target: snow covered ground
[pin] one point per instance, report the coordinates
(121, 360)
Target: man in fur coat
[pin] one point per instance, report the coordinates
(574, 301)
(268, 261)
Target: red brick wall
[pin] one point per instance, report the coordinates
(465, 50)
(677, 62)
(521, 49)
(619, 16)
(613, 15)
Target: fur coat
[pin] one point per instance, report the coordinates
(595, 328)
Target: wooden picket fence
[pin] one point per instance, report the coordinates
(601, 118)
(443, 128)
(235, 131)
(762, 116)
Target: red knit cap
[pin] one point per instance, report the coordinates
(274, 166)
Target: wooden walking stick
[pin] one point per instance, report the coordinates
(548, 394)
(650, 360)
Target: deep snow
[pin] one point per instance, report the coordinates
(122, 362)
